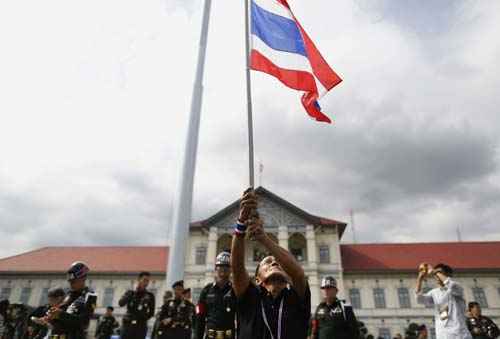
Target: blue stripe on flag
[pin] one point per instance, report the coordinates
(277, 32)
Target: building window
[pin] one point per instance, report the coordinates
(109, 294)
(480, 296)
(384, 332)
(25, 295)
(404, 297)
(432, 333)
(355, 297)
(379, 297)
(44, 297)
(201, 255)
(5, 293)
(324, 254)
(428, 303)
(297, 245)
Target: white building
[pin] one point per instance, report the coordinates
(378, 279)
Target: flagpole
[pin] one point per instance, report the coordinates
(184, 200)
(249, 94)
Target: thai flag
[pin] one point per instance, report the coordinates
(281, 48)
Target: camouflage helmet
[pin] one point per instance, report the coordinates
(223, 259)
(328, 282)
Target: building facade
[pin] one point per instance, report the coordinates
(378, 279)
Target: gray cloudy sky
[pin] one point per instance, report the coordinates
(95, 96)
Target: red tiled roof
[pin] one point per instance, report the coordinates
(103, 259)
(355, 258)
(407, 257)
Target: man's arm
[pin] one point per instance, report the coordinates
(241, 280)
(286, 260)
(422, 298)
(124, 300)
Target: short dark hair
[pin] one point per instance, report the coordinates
(144, 274)
(473, 304)
(56, 292)
(110, 308)
(447, 270)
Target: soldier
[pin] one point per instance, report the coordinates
(70, 319)
(334, 319)
(38, 327)
(107, 325)
(216, 307)
(176, 315)
(140, 305)
(4, 305)
(481, 327)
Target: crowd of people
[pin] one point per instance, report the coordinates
(274, 303)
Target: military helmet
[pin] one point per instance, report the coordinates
(223, 259)
(328, 282)
(77, 270)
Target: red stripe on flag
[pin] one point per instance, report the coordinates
(323, 72)
(298, 80)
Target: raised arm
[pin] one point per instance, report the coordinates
(286, 260)
(241, 279)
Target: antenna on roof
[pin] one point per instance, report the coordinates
(459, 234)
(351, 212)
(261, 171)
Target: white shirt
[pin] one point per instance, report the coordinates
(448, 300)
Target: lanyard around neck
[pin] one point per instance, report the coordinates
(280, 318)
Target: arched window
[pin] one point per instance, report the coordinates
(224, 243)
(297, 244)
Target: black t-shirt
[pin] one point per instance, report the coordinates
(295, 315)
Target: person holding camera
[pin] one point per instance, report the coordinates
(449, 303)
(481, 327)
(278, 304)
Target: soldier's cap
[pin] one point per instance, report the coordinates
(178, 283)
(111, 308)
(223, 259)
(328, 282)
(56, 292)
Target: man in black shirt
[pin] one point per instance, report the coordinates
(140, 307)
(216, 306)
(333, 317)
(278, 305)
(176, 316)
(107, 324)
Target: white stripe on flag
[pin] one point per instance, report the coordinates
(285, 60)
(274, 7)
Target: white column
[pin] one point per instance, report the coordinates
(283, 236)
(212, 247)
(312, 256)
(211, 254)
